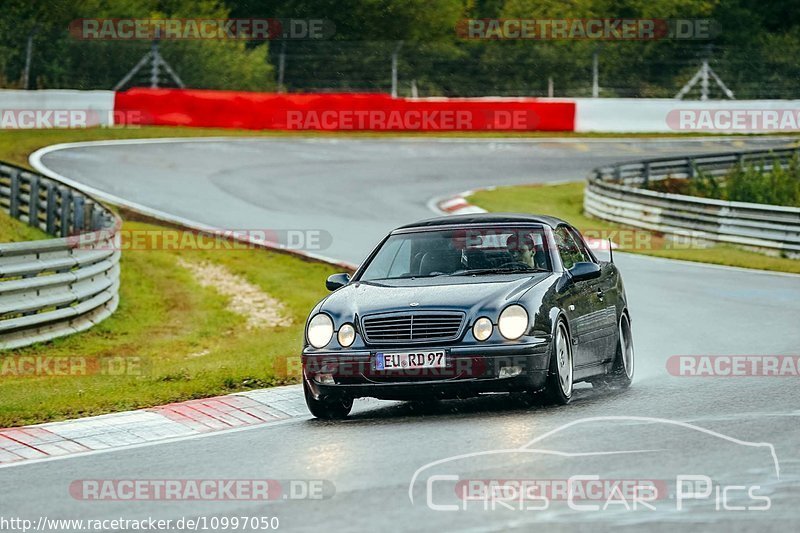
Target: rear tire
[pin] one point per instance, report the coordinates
(559, 385)
(622, 370)
(327, 409)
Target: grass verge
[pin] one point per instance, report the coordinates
(566, 201)
(12, 230)
(171, 339)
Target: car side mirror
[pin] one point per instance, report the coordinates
(337, 281)
(584, 271)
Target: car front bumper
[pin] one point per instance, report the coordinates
(469, 371)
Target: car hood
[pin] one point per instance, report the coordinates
(469, 294)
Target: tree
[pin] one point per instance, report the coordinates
(62, 60)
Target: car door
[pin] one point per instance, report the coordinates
(580, 302)
(602, 294)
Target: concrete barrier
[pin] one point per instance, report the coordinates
(380, 112)
(662, 115)
(55, 109)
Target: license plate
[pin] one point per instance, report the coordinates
(402, 361)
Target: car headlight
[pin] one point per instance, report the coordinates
(320, 330)
(347, 334)
(482, 329)
(513, 322)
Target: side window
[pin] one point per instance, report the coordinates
(568, 249)
(582, 246)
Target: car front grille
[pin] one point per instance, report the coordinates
(397, 328)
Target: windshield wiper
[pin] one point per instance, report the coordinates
(497, 270)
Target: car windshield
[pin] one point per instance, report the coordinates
(472, 251)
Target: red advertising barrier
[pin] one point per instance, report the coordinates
(334, 112)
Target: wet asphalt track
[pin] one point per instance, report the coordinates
(358, 190)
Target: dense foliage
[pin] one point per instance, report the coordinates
(766, 182)
(59, 60)
(755, 52)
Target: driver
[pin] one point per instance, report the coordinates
(521, 248)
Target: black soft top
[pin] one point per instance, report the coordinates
(485, 218)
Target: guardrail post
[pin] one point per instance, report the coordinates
(96, 220)
(13, 209)
(88, 211)
(66, 196)
(617, 173)
(33, 203)
(690, 169)
(51, 208)
(646, 174)
(77, 213)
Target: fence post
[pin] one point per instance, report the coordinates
(51, 208)
(66, 196)
(13, 209)
(33, 203)
(88, 209)
(97, 218)
(77, 213)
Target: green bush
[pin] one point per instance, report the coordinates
(760, 183)
(763, 185)
(705, 185)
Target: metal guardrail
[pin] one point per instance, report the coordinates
(613, 193)
(55, 287)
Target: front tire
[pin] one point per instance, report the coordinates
(327, 409)
(559, 385)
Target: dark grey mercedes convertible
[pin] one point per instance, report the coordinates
(458, 306)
